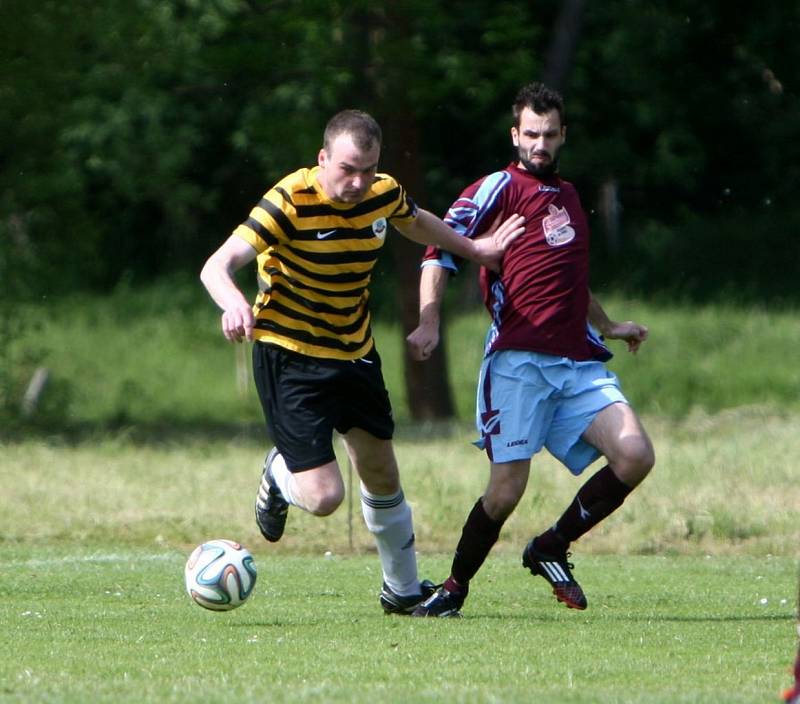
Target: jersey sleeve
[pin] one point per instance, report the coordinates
(405, 210)
(470, 215)
(263, 226)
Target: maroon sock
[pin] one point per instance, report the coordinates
(599, 497)
(478, 535)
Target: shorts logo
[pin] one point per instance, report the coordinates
(490, 423)
(516, 443)
(556, 226)
(379, 228)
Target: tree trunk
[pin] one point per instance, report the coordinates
(427, 383)
(562, 46)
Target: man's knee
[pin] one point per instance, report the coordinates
(634, 459)
(320, 491)
(501, 498)
(325, 502)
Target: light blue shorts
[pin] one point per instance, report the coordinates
(527, 400)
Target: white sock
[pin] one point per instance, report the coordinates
(284, 479)
(389, 519)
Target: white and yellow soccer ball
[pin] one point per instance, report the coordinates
(220, 575)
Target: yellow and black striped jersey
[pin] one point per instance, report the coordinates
(315, 260)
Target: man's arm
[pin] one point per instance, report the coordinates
(217, 276)
(424, 339)
(487, 251)
(633, 333)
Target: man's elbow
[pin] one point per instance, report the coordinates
(207, 272)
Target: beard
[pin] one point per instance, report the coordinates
(544, 169)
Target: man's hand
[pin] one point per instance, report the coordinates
(491, 245)
(238, 322)
(633, 333)
(217, 276)
(422, 341)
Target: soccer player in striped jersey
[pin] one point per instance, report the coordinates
(316, 236)
(542, 382)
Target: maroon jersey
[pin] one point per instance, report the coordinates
(541, 299)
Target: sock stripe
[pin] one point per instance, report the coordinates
(382, 501)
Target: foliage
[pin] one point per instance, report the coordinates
(135, 135)
(702, 136)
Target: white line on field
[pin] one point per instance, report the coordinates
(94, 557)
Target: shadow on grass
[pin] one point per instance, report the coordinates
(169, 432)
(611, 616)
(162, 432)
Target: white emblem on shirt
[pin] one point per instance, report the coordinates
(323, 235)
(379, 228)
(556, 226)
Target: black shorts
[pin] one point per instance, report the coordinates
(306, 398)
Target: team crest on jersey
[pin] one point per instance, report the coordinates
(379, 228)
(556, 226)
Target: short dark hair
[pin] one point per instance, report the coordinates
(361, 126)
(539, 98)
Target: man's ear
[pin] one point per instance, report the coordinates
(515, 136)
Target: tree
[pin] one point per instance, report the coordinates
(135, 134)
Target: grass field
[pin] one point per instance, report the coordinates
(115, 626)
(691, 584)
(150, 442)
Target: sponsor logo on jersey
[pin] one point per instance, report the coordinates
(379, 228)
(556, 226)
(323, 235)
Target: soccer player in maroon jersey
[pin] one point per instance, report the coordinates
(792, 695)
(543, 381)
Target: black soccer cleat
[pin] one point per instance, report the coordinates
(556, 570)
(271, 507)
(404, 605)
(441, 604)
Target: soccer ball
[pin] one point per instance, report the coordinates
(220, 575)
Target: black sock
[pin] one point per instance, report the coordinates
(478, 535)
(599, 497)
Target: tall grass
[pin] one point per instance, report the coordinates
(707, 358)
(724, 483)
(155, 356)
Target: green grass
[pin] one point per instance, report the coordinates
(155, 356)
(724, 484)
(691, 583)
(109, 625)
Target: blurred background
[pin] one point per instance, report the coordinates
(134, 136)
